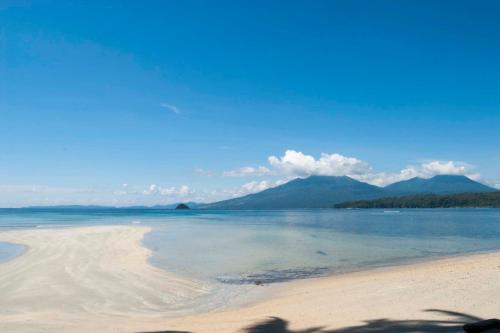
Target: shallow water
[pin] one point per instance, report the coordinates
(244, 247)
(9, 251)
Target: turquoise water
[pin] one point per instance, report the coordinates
(241, 247)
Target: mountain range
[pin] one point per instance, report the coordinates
(324, 192)
(327, 191)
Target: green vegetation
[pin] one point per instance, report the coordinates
(467, 200)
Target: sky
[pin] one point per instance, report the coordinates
(155, 102)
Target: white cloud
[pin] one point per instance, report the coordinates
(255, 186)
(493, 183)
(247, 171)
(448, 168)
(182, 191)
(386, 178)
(299, 164)
(247, 188)
(171, 108)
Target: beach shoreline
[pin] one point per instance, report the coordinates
(99, 278)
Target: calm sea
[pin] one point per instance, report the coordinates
(242, 247)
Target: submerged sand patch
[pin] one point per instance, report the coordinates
(100, 270)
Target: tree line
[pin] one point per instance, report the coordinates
(465, 200)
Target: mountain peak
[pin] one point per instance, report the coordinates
(312, 192)
(439, 184)
(450, 177)
(328, 178)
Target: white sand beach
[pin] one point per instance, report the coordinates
(73, 274)
(98, 279)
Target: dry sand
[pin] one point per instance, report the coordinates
(97, 279)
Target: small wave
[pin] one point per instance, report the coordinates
(136, 222)
(392, 211)
(273, 276)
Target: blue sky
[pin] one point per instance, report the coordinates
(160, 101)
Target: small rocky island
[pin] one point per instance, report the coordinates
(182, 206)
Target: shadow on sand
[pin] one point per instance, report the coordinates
(453, 325)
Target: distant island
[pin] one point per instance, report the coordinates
(461, 200)
(182, 206)
(96, 207)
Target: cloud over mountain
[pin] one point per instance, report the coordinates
(297, 164)
(300, 164)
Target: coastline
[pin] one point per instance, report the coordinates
(431, 296)
(99, 278)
